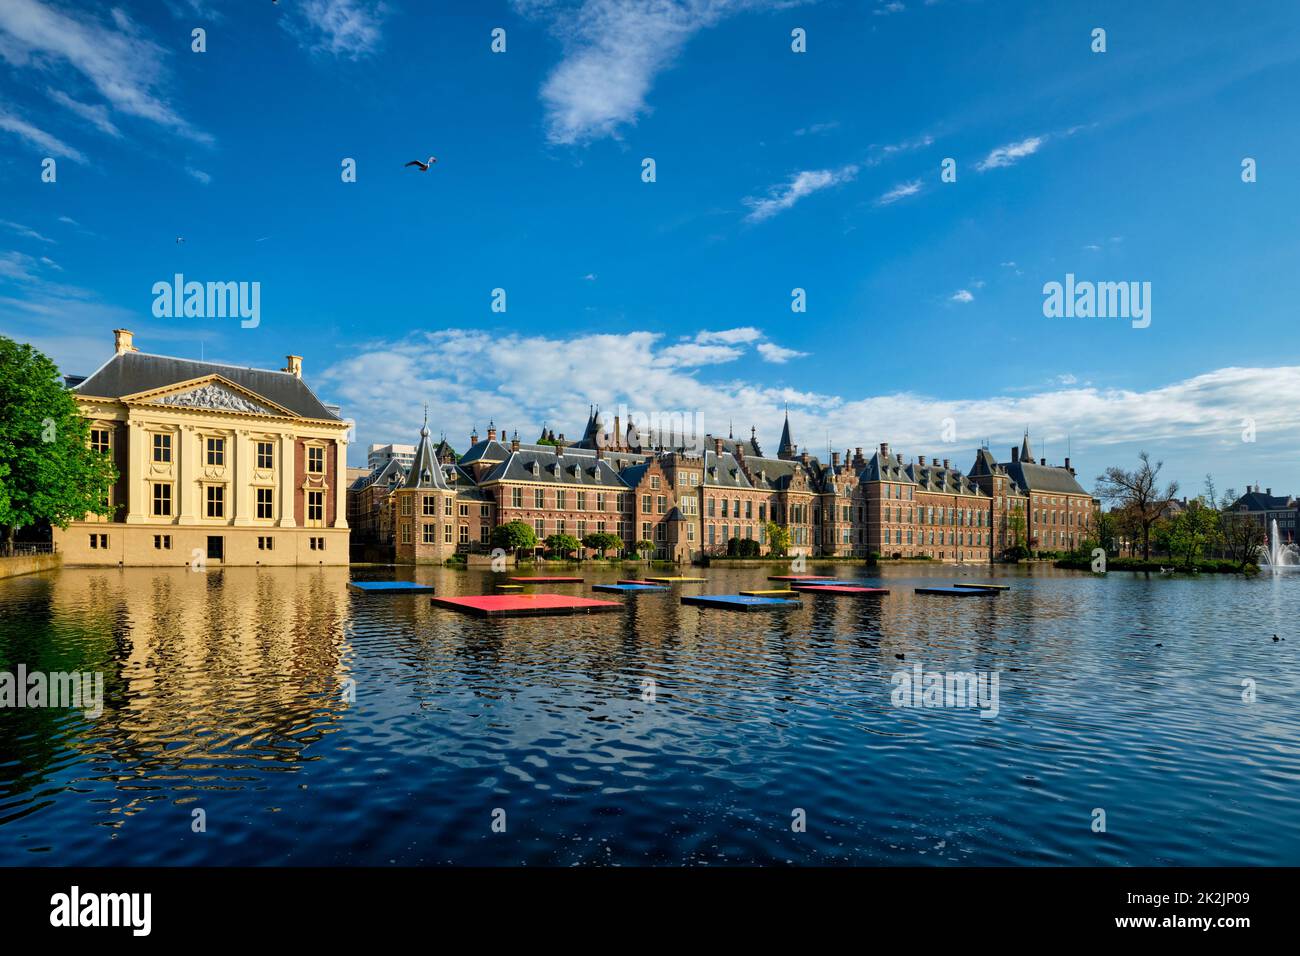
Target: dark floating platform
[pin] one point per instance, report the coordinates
(677, 580)
(524, 605)
(740, 602)
(799, 577)
(628, 587)
(985, 587)
(815, 588)
(771, 592)
(966, 591)
(389, 587)
(544, 579)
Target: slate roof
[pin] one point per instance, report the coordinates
(426, 471)
(1043, 478)
(887, 469)
(1260, 501)
(381, 474)
(547, 467)
(950, 481)
(129, 372)
(724, 471)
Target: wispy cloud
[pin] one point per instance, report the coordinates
(901, 191)
(776, 354)
(737, 336)
(124, 66)
(95, 114)
(47, 143)
(801, 184)
(25, 231)
(613, 50)
(817, 128)
(350, 29)
(962, 295)
(199, 175)
(1011, 153)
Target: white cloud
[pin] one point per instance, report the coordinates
(692, 354)
(776, 354)
(42, 140)
(119, 61)
(737, 336)
(1194, 424)
(199, 175)
(25, 231)
(344, 28)
(801, 184)
(1011, 153)
(901, 191)
(613, 50)
(817, 128)
(95, 114)
(962, 295)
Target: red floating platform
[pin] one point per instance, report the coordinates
(543, 579)
(524, 605)
(837, 589)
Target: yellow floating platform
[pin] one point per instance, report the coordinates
(770, 592)
(510, 587)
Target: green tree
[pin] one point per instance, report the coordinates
(514, 536)
(48, 472)
(603, 541)
(778, 539)
(645, 547)
(562, 544)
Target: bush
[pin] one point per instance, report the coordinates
(742, 548)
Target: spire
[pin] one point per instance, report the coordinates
(787, 450)
(1026, 453)
(426, 469)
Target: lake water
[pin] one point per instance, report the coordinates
(226, 692)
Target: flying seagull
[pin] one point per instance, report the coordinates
(424, 167)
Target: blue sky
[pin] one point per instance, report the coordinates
(775, 170)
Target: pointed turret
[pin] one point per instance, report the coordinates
(1026, 453)
(787, 451)
(426, 470)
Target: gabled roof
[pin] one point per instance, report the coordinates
(936, 478)
(544, 465)
(486, 451)
(1260, 501)
(724, 471)
(382, 474)
(888, 468)
(1043, 478)
(128, 373)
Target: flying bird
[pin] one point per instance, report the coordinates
(424, 167)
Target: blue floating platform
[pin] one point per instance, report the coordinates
(740, 602)
(390, 587)
(625, 588)
(959, 592)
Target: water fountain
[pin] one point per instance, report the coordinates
(1278, 556)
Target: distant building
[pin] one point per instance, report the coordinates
(380, 455)
(1266, 507)
(692, 501)
(217, 464)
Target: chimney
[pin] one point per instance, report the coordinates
(514, 442)
(898, 457)
(1015, 454)
(884, 450)
(473, 438)
(618, 435)
(804, 456)
(1043, 462)
(1268, 491)
(717, 447)
(934, 462)
(492, 432)
(122, 341)
(947, 463)
(292, 364)
(835, 460)
(857, 456)
(1067, 466)
(600, 451)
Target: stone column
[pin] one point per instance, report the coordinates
(285, 488)
(136, 480)
(242, 478)
(341, 484)
(187, 471)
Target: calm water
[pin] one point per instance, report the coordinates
(225, 693)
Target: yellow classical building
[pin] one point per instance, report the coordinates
(217, 465)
